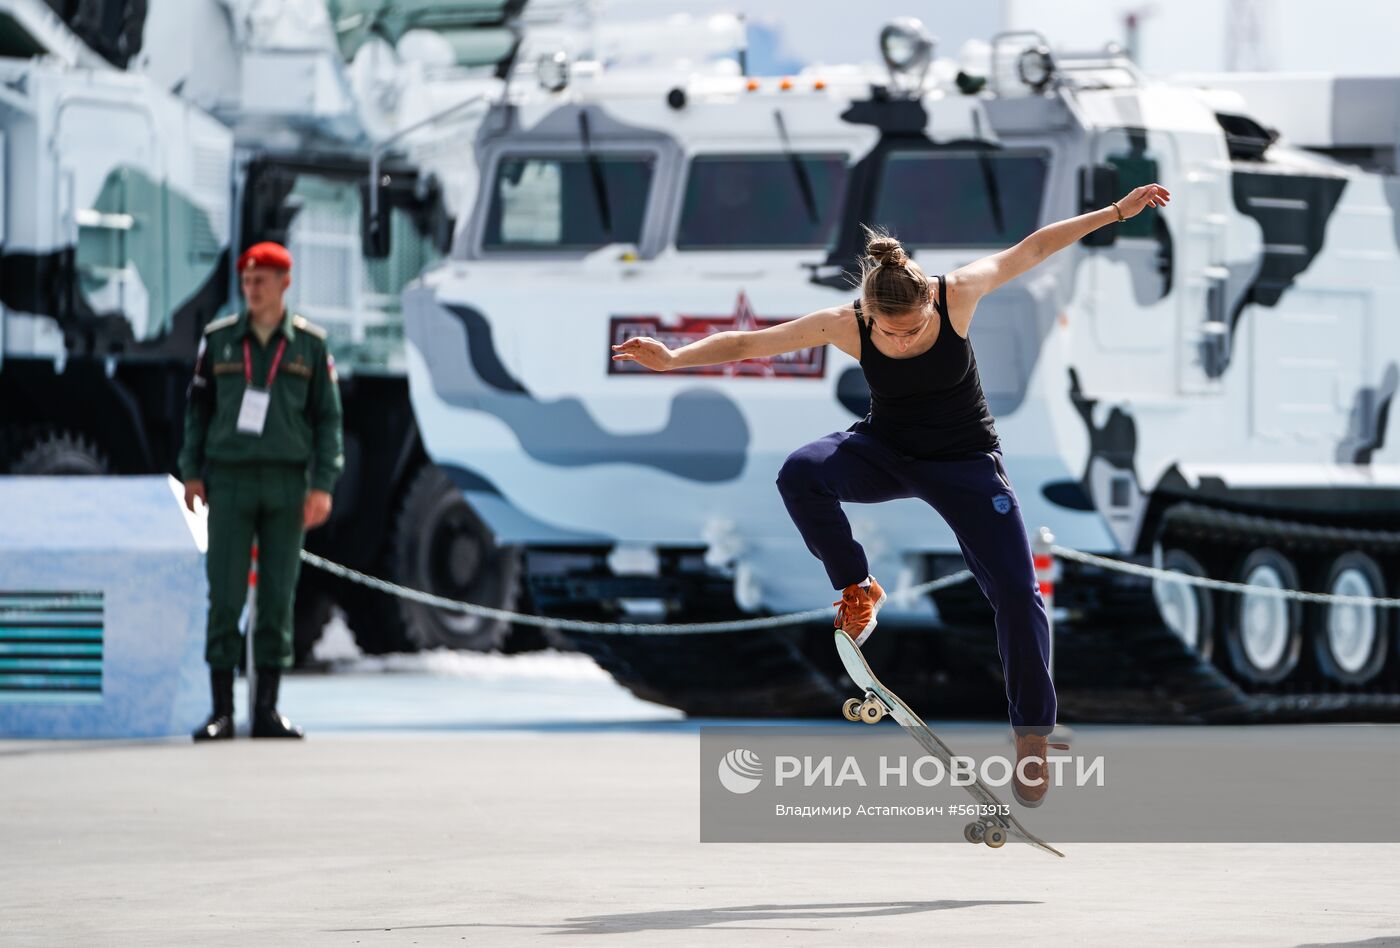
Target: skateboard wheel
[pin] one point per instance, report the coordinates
(851, 709)
(972, 832)
(995, 837)
(871, 712)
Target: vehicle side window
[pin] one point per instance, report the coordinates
(1133, 172)
(773, 201)
(567, 202)
(956, 198)
(355, 298)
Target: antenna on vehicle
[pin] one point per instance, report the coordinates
(595, 171)
(799, 170)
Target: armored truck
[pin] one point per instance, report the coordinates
(134, 165)
(1206, 387)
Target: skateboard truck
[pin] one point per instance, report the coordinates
(870, 710)
(985, 831)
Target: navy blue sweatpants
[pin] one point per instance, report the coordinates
(976, 499)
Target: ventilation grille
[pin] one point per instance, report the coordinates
(51, 647)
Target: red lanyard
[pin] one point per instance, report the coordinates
(271, 372)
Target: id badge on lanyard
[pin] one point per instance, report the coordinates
(252, 413)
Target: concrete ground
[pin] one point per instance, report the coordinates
(572, 832)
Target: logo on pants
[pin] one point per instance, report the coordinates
(1001, 503)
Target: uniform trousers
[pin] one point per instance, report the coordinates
(248, 502)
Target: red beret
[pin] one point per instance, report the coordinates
(265, 254)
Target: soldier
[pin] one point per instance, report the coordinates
(263, 405)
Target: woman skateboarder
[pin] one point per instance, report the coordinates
(929, 435)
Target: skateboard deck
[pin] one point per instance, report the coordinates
(992, 829)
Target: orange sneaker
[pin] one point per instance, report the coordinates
(1032, 792)
(855, 610)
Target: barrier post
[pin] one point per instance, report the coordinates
(252, 615)
(1044, 561)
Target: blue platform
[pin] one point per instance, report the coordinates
(102, 605)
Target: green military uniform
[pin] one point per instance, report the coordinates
(257, 483)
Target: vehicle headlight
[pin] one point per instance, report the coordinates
(1036, 67)
(906, 45)
(553, 71)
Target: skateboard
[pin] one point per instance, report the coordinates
(880, 701)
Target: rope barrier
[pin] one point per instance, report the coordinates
(580, 625)
(809, 615)
(1172, 576)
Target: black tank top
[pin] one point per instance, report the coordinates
(929, 406)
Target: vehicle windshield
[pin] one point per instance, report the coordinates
(957, 198)
(551, 203)
(761, 200)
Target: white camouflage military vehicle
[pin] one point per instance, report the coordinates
(1206, 386)
(135, 164)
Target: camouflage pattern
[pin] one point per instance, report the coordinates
(117, 243)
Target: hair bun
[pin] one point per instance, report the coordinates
(886, 251)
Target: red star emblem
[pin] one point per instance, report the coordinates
(744, 320)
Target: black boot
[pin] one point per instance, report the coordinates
(219, 727)
(266, 721)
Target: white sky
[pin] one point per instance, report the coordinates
(1343, 36)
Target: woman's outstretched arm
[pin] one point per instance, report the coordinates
(977, 279)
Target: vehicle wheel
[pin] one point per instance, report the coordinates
(441, 546)
(995, 837)
(851, 709)
(310, 613)
(1264, 635)
(1351, 641)
(59, 453)
(973, 832)
(1189, 611)
(375, 623)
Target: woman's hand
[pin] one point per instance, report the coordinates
(646, 351)
(1149, 195)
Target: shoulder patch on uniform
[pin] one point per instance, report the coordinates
(222, 323)
(302, 324)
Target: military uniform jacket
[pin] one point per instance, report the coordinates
(303, 423)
